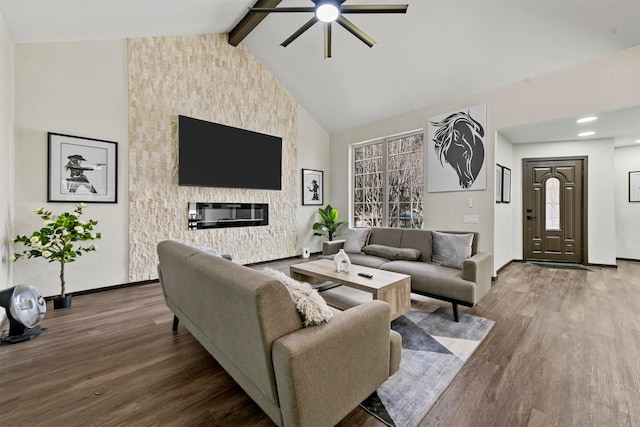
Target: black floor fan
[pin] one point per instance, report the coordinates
(25, 308)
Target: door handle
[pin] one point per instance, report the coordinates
(531, 217)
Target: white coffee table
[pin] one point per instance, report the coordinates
(392, 288)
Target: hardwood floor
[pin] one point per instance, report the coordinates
(565, 351)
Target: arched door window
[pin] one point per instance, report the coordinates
(552, 204)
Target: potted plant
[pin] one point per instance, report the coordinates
(61, 238)
(329, 227)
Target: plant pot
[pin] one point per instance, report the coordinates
(60, 302)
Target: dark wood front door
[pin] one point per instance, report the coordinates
(554, 209)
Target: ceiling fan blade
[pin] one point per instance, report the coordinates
(298, 33)
(281, 9)
(349, 26)
(375, 8)
(327, 39)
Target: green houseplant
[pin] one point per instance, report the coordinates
(329, 226)
(61, 238)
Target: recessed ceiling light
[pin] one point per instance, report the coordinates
(587, 119)
(589, 133)
(638, 141)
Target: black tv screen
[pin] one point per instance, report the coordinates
(215, 155)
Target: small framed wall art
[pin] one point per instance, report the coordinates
(312, 187)
(506, 185)
(498, 183)
(634, 186)
(82, 169)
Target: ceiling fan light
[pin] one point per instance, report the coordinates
(327, 11)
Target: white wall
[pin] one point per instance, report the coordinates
(313, 153)
(76, 88)
(6, 157)
(601, 228)
(609, 83)
(504, 213)
(627, 159)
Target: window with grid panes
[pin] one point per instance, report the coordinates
(388, 178)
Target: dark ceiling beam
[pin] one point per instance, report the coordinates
(249, 22)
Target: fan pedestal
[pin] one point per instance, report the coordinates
(24, 333)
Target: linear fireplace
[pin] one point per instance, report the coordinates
(221, 215)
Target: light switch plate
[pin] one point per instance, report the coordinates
(471, 219)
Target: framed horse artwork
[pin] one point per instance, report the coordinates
(456, 150)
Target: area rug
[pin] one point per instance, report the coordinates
(434, 348)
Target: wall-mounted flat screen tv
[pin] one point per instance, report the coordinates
(215, 155)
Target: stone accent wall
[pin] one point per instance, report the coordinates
(206, 78)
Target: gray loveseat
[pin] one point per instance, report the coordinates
(247, 320)
(465, 285)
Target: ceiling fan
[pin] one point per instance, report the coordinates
(330, 11)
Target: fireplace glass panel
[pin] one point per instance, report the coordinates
(223, 215)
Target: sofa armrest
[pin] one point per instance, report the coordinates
(332, 247)
(324, 372)
(478, 269)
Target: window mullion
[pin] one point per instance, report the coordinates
(385, 183)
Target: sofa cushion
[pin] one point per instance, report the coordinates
(367, 260)
(433, 279)
(355, 239)
(392, 253)
(450, 250)
(418, 239)
(386, 236)
(312, 308)
(361, 259)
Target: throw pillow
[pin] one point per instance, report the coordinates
(313, 309)
(450, 250)
(392, 253)
(355, 239)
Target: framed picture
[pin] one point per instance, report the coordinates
(82, 170)
(456, 153)
(634, 186)
(312, 187)
(498, 183)
(506, 185)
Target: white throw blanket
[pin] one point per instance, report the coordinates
(312, 307)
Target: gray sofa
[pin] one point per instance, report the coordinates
(247, 320)
(465, 285)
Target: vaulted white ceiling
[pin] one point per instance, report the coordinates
(437, 52)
